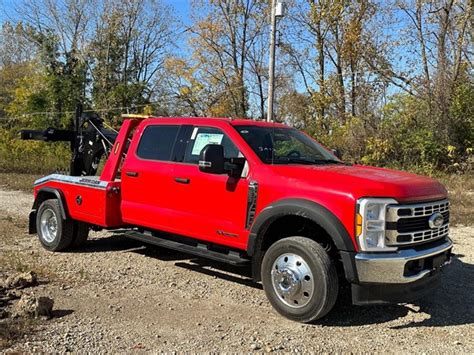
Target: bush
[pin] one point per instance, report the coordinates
(31, 156)
(406, 137)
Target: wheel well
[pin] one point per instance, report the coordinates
(43, 196)
(49, 193)
(293, 225)
(288, 226)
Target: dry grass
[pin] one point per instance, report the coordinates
(461, 195)
(12, 230)
(12, 330)
(14, 181)
(18, 262)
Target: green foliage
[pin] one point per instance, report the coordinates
(31, 156)
(406, 136)
(64, 76)
(462, 126)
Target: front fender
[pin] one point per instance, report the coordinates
(304, 208)
(308, 209)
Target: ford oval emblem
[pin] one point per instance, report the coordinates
(436, 220)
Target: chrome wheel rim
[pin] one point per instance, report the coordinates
(49, 225)
(292, 280)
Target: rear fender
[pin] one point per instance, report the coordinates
(43, 194)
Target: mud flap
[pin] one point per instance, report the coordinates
(32, 222)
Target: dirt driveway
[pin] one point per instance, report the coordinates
(116, 295)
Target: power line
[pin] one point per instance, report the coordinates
(51, 113)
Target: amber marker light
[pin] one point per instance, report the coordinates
(358, 224)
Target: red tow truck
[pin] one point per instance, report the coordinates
(261, 194)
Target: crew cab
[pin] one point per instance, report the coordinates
(264, 195)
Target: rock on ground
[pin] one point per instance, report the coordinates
(26, 279)
(30, 306)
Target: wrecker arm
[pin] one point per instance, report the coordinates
(89, 141)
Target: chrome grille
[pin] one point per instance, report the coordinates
(408, 224)
(414, 224)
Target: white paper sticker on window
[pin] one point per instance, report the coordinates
(195, 131)
(203, 139)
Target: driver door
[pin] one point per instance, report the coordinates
(213, 207)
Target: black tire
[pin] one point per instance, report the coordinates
(324, 289)
(81, 233)
(64, 235)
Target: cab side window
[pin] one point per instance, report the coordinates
(157, 142)
(202, 136)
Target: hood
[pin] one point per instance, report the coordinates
(363, 181)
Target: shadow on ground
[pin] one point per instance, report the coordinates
(451, 304)
(59, 313)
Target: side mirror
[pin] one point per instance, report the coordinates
(337, 153)
(211, 159)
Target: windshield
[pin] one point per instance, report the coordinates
(281, 145)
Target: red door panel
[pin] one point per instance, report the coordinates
(212, 206)
(176, 197)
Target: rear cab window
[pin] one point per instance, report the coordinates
(157, 142)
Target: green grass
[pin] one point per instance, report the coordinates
(31, 156)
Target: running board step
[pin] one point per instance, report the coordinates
(201, 250)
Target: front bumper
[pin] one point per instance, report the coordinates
(404, 266)
(396, 277)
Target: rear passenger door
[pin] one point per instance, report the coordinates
(148, 196)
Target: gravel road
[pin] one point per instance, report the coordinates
(116, 295)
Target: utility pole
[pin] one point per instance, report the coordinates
(277, 11)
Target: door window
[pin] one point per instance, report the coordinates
(202, 136)
(157, 142)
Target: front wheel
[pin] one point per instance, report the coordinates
(299, 279)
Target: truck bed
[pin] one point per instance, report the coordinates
(86, 198)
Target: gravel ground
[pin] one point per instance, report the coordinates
(116, 295)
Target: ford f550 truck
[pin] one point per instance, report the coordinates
(261, 194)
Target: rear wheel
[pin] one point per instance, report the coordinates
(300, 279)
(55, 233)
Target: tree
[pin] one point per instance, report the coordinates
(15, 59)
(132, 40)
(331, 37)
(226, 36)
(437, 39)
(59, 31)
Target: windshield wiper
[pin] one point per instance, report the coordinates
(328, 161)
(306, 161)
(291, 160)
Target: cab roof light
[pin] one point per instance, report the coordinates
(135, 116)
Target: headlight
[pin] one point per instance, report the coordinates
(370, 223)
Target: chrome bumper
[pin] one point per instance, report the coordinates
(390, 268)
